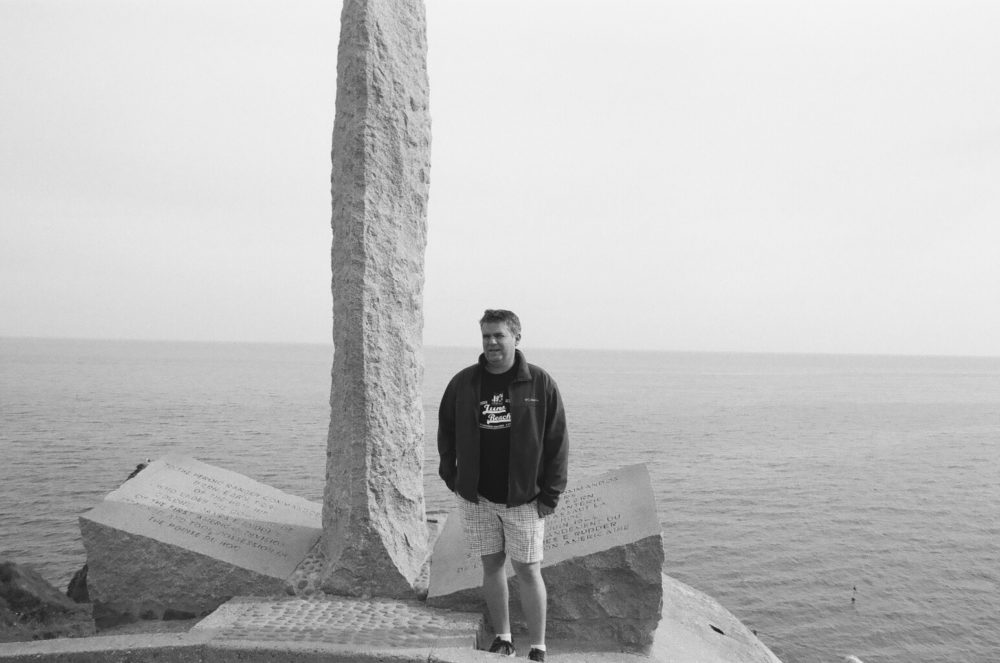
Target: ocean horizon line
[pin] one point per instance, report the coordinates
(657, 351)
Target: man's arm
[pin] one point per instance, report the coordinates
(447, 469)
(555, 452)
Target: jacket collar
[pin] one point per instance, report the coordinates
(520, 364)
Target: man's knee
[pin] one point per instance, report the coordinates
(530, 572)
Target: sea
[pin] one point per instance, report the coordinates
(836, 504)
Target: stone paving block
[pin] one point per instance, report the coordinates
(376, 623)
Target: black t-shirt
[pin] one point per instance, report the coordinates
(494, 435)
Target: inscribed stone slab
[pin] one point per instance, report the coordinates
(596, 514)
(214, 512)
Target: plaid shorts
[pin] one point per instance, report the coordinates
(491, 528)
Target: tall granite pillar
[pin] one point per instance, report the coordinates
(374, 532)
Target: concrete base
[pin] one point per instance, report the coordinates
(693, 629)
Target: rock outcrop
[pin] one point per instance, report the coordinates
(32, 609)
(374, 535)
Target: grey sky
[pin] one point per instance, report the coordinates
(766, 176)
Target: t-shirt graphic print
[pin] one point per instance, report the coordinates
(494, 413)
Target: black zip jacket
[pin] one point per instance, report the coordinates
(539, 441)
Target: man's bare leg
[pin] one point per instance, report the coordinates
(495, 591)
(534, 599)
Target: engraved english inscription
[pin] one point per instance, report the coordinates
(214, 512)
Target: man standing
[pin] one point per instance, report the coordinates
(504, 452)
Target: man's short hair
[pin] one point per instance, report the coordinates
(502, 315)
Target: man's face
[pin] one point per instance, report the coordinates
(498, 346)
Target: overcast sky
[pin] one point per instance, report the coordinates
(787, 176)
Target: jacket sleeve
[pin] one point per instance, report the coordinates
(447, 468)
(555, 449)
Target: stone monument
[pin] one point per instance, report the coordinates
(374, 534)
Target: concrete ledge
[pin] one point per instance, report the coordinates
(137, 648)
(297, 652)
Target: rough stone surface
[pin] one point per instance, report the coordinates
(183, 537)
(32, 609)
(307, 580)
(135, 577)
(614, 595)
(382, 623)
(374, 536)
(603, 561)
